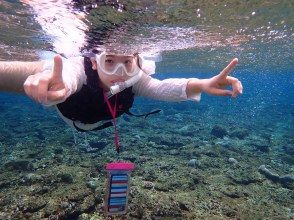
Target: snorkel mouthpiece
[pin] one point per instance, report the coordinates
(120, 86)
(117, 88)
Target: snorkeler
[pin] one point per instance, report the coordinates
(91, 92)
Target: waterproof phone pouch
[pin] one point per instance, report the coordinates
(118, 180)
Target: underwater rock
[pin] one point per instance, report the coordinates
(31, 178)
(219, 131)
(64, 205)
(193, 163)
(274, 177)
(287, 181)
(148, 185)
(233, 161)
(93, 184)
(65, 177)
(240, 133)
(19, 165)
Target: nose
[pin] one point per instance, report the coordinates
(120, 71)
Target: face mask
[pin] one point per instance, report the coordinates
(118, 65)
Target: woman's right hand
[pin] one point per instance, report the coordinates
(47, 86)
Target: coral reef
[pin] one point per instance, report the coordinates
(182, 171)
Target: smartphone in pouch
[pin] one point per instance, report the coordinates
(117, 188)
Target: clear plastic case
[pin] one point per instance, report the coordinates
(118, 184)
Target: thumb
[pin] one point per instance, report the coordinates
(56, 96)
(57, 68)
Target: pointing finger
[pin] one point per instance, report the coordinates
(57, 70)
(226, 71)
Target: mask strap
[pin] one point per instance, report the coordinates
(113, 114)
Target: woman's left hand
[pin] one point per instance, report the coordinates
(216, 85)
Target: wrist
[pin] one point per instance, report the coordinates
(194, 87)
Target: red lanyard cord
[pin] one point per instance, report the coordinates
(113, 114)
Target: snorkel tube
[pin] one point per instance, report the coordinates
(120, 86)
(146, 65)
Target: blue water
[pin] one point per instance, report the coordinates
(265, 109)
(42, 159)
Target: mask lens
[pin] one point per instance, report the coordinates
(112, 64)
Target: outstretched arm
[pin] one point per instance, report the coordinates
(57, 82)
(45, 82)
(172, 90)
(189, 89)
(13, 74)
